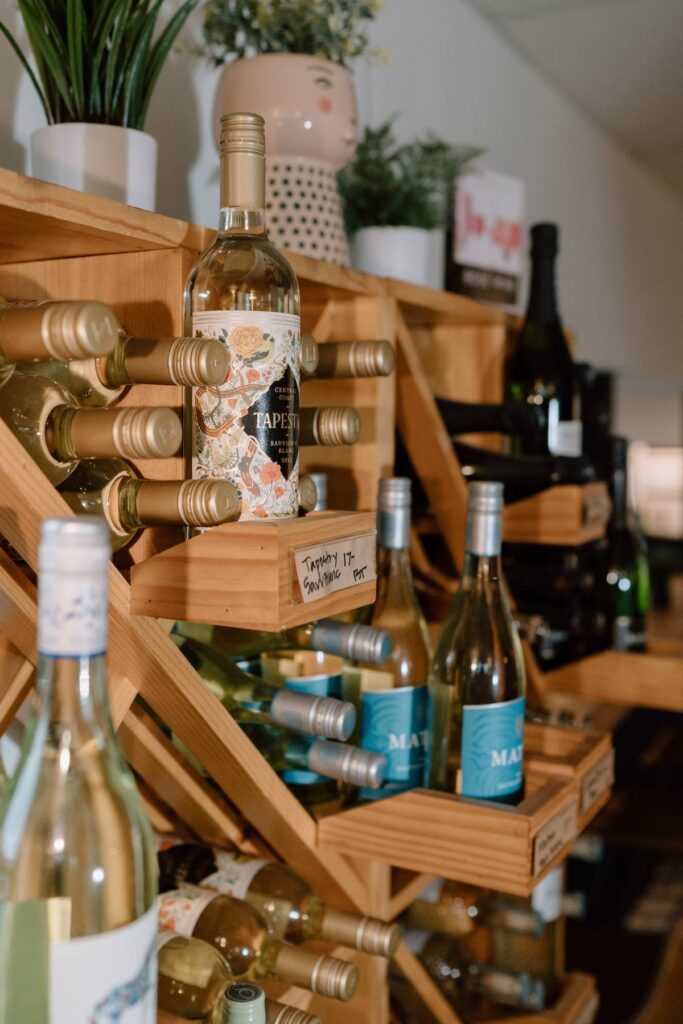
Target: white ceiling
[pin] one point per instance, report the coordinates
(621, 60)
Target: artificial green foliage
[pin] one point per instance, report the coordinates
(96, 60)
(332, 29)
(387, 185)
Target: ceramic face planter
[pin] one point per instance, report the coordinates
(310, 113)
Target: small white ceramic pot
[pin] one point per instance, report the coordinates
(104, 159)
(409, 254)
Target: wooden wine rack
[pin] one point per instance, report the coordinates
(58, 243)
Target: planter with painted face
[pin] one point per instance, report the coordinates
(104, 159)
(310, 112)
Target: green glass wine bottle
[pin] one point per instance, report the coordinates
(539, 370)
(477, 680)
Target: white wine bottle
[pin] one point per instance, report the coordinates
(44, 416)
(241, 935)
(329, 425)
(393, 702)
(340, 359)
(352, 641)
(194, 978)
(110, 488)
(287, 903)
(101, 381)
(53, 330)
(460, 909)
(477, 680)
(78, 877)
(267, 702)
(243, 292)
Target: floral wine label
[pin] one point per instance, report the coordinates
(246, 430)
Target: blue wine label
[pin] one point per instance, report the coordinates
(394, 723)
(322, 686)
(492, 749)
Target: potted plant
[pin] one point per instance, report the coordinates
(396, 200)
(288, 61)
(96, 65)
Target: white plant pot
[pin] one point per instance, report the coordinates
(409, 254)
(104, 159)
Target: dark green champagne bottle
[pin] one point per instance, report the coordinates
(627, 579)
(540, 370)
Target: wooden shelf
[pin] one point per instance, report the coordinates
(567, 514)
(245, 574)
(474, 841)
(578, 1004)
(617, 677)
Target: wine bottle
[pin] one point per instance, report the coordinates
(626, 573)
(193, 979)
(243, 292)
(339, 359)
(393, 709)
(523, 475)
(348, 640)
(539, 370)
(308, 493)
(477, 988)
(101, 381)
(477, 680)
(509, 418)
(78, 878)
(286, 902)
(110, 488)
(45, 418)
(308, 359)
(460, 909)
(268, 703)
(53, 330)
(240, 934)
(329, 425)
(320, 481)
(539, 952)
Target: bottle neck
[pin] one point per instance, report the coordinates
(73, 699)
(619, 496)
(236, 220)
(542, 305)
(484, 536)
(393, 529)
(243, 194)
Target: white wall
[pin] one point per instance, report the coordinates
(621, 271)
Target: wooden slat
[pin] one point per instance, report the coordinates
(16, 682)
(577, 1004)
(141, 654)
(567, 514)
(421, 305)
(414, 972)
(617, 677)
(409, 887)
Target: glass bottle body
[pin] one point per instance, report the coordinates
(192, 976)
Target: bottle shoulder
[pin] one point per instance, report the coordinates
(250, 269)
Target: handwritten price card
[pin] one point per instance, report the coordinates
(323, 569)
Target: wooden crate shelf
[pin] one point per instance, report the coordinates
(618, 677)
(568, 514)
(245, 574)
(577, 1004)
(474, 841)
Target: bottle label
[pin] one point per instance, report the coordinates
(92, 980)
(492, 749)
(234, 875)
(247, 429)
(72, 615)
(567, 438)
(180, 909)
(546, 898)
(394, 723)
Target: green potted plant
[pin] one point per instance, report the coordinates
(96, 65)
(288, 61)
(396, 200)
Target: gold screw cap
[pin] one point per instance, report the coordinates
(147, 433)
(331, 426)
(308, 493)
(310, 354)
(208, 502)
(193, 361)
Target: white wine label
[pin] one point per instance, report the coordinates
(104, 978)
(47, 978)
(246, 430)
(554, 836)
(394, 723)
(234, 875)
(72, 614)
(546, 899)
(568, 438)
(180, 909)
(323, 569)
(597, 781)
(492, 749)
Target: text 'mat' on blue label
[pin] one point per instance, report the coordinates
(492, 749)
(394, 723)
